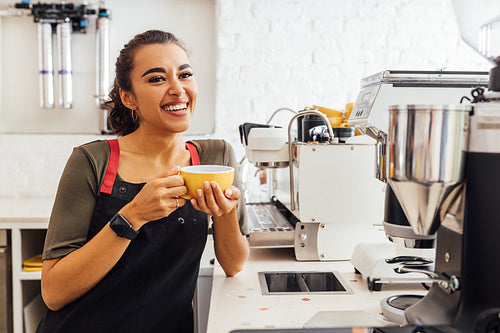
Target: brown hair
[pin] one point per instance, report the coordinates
(123, 120)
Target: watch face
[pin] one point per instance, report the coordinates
(122, 227)
(119, 225)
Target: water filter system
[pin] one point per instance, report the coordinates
(56, 23)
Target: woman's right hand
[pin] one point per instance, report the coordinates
(157, 199)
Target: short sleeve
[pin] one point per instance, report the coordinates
(73, 208)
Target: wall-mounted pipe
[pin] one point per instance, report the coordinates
(102, 57)
(102, 64)
(45, 67)
(64, 68)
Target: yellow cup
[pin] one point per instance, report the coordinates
(195, 175)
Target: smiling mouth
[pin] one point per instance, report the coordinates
(177, 107)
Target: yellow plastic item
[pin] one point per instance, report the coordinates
(32, 269)
(348, 109)
(336, 121)
(337, 118)
(330, 113)
(33, 264)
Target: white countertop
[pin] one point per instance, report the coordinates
(237, 302)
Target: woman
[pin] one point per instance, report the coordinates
(123, 248)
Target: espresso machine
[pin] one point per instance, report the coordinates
(324, 198)
(443, 166)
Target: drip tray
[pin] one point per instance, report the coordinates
(293, 283)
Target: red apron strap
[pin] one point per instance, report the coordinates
(109, 177)
(195, 158)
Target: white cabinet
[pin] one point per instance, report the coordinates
(27, 237)
(202, 296)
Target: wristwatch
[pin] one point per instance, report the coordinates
(122, 227)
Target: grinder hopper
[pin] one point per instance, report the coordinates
(425, 160)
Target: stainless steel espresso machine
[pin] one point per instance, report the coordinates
(325, 197)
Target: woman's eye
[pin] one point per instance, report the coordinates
(185, 75)
(157, 79)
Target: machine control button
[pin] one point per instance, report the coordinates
(445, 285)
(454, 283)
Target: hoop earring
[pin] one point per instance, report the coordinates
(133, 115)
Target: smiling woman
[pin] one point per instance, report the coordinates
(123, 247)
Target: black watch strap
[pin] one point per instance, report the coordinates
(122, 227)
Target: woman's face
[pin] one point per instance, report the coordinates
(164, 90)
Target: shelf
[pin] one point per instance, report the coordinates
(23, 275)
(27, 238)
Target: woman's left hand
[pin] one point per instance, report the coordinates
(213, 201)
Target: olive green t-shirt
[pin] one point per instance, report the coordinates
(79, 186)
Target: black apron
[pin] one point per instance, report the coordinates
(151, 287)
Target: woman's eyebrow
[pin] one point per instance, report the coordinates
(162, 70)
(154, 70)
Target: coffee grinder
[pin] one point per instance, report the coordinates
(444, 167)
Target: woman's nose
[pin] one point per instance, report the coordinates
(176, 88)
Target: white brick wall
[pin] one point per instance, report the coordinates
(32, 164)
(281, 53)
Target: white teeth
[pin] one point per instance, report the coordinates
(175, 107)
